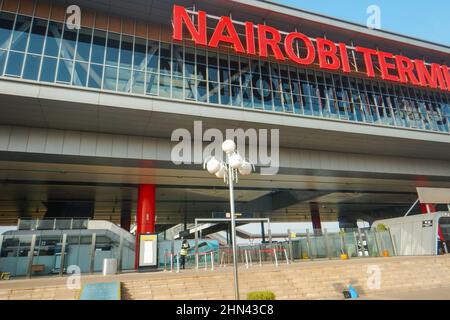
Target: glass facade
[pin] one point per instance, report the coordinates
(46, 51)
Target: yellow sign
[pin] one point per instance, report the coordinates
(148, 237)
(293, 235)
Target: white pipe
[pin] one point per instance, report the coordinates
(246, 259)
(286, 256)
(275, 256)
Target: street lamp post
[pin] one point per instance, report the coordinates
(229, 171)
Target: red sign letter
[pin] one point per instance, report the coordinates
(310, 51)
(179, 16)
(272, 42)
(250, 36)
(446, 72)
(368, 60)
(430, 78)
(344, 57)
(386, 66)
(327, 50)
(405, 69)
(233, 38)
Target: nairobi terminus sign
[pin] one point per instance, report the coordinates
(260, 39)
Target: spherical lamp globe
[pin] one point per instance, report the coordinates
(236, 161)
(213, 165)
(222, 171)
(228, 146)
(246, 168)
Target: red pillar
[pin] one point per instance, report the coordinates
(145, 215)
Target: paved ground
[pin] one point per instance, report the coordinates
(442, 293)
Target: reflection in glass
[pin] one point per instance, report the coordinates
(15, 63)
(32, 63)
(48, 70)
(95, 76)
(110, 80)
(124, 83)
(37, 36)
(80, 74)
(112, 50)
(98, 47)
(53, 40)
(6, 26)
(68, 44)
(64, 71)
(21, 33)
(84, 45)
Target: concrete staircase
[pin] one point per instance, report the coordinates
(301, 280)
(307, 280)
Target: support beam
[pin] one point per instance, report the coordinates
(315, 218)
(145, 215)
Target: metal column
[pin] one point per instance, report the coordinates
(91, 263)
(31, 255)
(63, 255)
(119, 256)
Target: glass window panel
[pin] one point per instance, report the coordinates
(112, 49)
(190, 89)
(212, 67)
(164, 86)
(2, 61)
(32, 63)
(37, 36)
(152, 56)
(278, 104)
(68, 44)
(138, 82)
(225, 94)
(84, 45)
(64, 71)
(202, 94)
(21, 33)
(201, 56)
(6, 26)
(189, 69)
(177, 87)
(98, 47)
(257, 98)
(48, 70)
(152, 83)
(165, 60)
(140, 46)
(201, 72)
(80, 74)
(247, 97)
(236, 96)
(110, 80)
(267, 100)
(124, 84)
(189, 54)
(53, 40)
(213, 94)
(95, 76)
(126, 52)
(15, 63)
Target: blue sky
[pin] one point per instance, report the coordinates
(428, 20)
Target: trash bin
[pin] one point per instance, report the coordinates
(109, 266)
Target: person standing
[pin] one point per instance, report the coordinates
(184, 252)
